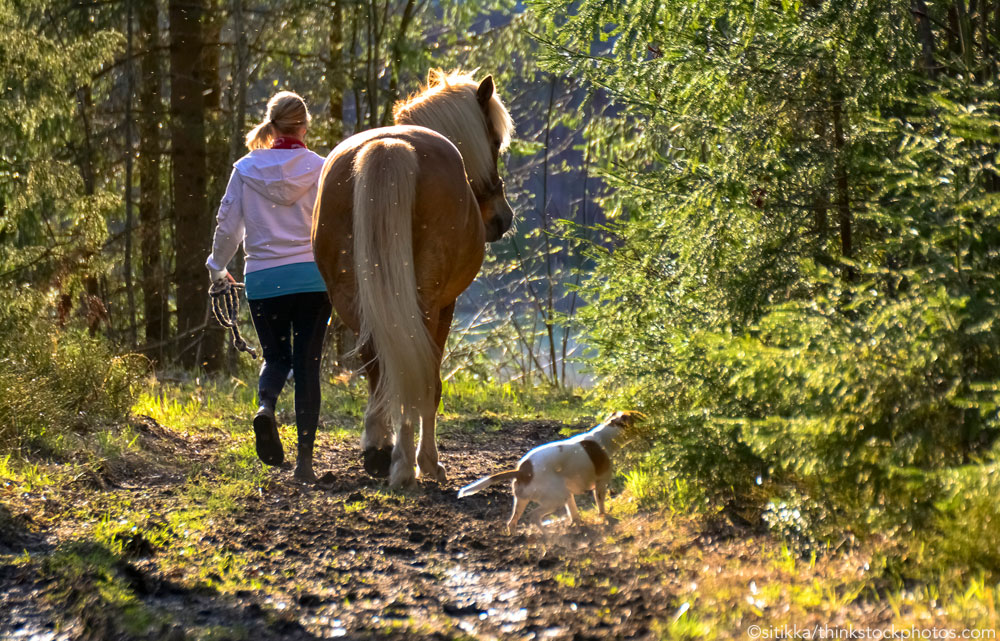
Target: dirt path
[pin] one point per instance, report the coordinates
(350, 559)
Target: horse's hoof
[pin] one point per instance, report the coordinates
(403, 481)
(439, 474)
(377, 461)
(434, 472)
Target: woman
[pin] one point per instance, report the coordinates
(268, 207)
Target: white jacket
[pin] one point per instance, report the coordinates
(267, 207)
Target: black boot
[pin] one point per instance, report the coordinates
(265, 428)
(304, 466)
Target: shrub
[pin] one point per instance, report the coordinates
(53, 379)
(859, 389)
(964, 530)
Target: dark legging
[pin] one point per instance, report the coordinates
(291, 329)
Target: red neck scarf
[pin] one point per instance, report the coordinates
(287, 142)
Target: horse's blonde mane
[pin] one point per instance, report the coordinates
(449, 106)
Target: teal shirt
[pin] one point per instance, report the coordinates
(295, 278)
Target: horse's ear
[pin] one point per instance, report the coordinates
(485, 91)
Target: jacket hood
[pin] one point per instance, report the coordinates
(280, 175)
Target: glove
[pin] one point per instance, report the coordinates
(216, 275)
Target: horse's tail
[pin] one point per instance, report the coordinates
(484, 483)
(392, 319)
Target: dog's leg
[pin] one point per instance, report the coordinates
(600, 492)
(519, 507)
(545, 508)
(574, 513)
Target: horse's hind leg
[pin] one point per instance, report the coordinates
(402, 472)
(376, 440)
(427, 456)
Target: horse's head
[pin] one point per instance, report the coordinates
(473, 118)
(497, 212)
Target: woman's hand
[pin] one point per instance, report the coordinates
(224, 276)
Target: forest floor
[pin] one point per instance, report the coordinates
(185, 536)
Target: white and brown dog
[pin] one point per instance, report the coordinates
(552, 473)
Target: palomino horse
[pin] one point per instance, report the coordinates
(399, 231)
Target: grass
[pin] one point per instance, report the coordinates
(723, 588)
(465, 398)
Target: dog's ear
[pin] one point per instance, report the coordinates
(626, 418)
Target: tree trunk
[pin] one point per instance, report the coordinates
(154, 286)
(241, 60)
(843, 190)
(965, 34)
(353, 62)
(211, 50)
(371, 64)
(550, 308)
(341, 337)
(129, 161)
(925, 35)
(954, 38)
(396, 59)
(192, 223)
(213, 346)
(336, 74)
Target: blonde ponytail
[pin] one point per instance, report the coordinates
(286, 112)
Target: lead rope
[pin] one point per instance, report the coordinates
(225, 296)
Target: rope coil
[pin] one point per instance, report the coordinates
(225, 295)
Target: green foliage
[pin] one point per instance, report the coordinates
(51, 212)
(801, 284)
(964, 530)
(860, 392)
(53, 380)
(52, 228)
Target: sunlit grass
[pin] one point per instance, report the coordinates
(685, 627)
(464, 395)
(29, 477)
(228, 405)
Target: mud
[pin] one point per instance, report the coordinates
(347, 558)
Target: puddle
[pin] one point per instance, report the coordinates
(491, 593)
(26, 634)
(25, 618)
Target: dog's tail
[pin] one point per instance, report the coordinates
(482, 484)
